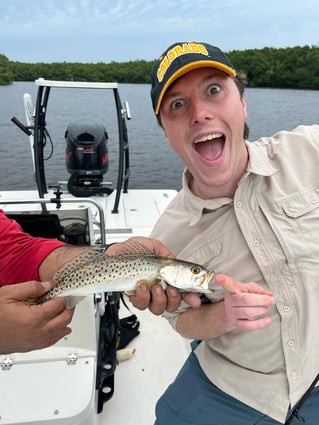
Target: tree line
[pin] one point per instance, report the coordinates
(291, 67)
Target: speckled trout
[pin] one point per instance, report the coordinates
(94, 272)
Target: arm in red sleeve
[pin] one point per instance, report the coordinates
(20, 253)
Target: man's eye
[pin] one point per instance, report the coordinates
(177, 104)
(214, 89)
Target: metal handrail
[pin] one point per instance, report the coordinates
(44, 201)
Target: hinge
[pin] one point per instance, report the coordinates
(7, 363)
(71, 358)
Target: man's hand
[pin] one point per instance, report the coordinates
(139, 245)
(24, 328)
(246, 304)
(156, 300)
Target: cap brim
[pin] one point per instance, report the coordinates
(190, 66)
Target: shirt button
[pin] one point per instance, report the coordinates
(256, 242)
(239, 204)
(286, 308)
(313, 200)
(293, 373)
(291, 343)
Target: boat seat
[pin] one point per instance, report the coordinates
(40, 225)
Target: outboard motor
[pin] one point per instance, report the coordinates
(87, 158)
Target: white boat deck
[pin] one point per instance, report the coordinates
(140, 381)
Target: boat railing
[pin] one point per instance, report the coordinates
(58, 202)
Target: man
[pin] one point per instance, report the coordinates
(251, 211)
(34, 261)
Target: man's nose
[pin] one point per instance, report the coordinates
(201, 111)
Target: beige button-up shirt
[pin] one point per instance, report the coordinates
(269, 233)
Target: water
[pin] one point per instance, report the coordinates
(152, 163)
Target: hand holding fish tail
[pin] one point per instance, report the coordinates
(34, 327)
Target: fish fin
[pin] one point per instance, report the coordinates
(128, 293)
(87, 256)
(148, 282)
(71, 301)
(133, 247)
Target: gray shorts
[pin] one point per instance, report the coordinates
(194, 400)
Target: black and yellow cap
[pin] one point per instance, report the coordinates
(180, 58)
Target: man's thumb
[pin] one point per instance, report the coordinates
(28, 290)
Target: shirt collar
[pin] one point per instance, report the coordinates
(197, 206)
(259, 163)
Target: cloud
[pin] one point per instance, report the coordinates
(117, 30)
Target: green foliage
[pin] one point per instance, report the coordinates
(121, 72)
(6, 76)
(292, 67)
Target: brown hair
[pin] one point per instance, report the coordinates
(241, 82)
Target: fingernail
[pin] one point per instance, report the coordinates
(172, 291)
(143, 287)
(46, 285)
(158, 290)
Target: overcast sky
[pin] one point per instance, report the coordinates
(123, 30)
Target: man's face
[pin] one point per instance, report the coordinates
(203, 117)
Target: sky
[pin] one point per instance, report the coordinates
(91, 31)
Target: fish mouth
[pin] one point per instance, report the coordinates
(207, 281)
(211, 146)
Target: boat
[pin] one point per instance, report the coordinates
(85, 378)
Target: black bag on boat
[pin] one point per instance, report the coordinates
(129, 329)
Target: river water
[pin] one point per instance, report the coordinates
(152, 163)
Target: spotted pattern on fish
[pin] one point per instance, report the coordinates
(93, 272)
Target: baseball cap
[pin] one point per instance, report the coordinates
(180, 58)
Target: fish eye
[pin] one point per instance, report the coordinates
(195, 269)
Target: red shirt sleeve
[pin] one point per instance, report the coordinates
(20, 253)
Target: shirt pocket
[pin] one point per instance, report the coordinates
(300, 229)
(302, 203)
(205, 255)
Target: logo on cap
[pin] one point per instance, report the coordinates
(176, 52)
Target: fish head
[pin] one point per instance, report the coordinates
(188, 277)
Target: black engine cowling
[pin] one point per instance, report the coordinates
(87, 158)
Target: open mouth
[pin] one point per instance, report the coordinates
(210, 147)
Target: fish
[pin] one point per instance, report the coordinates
(94, 272)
